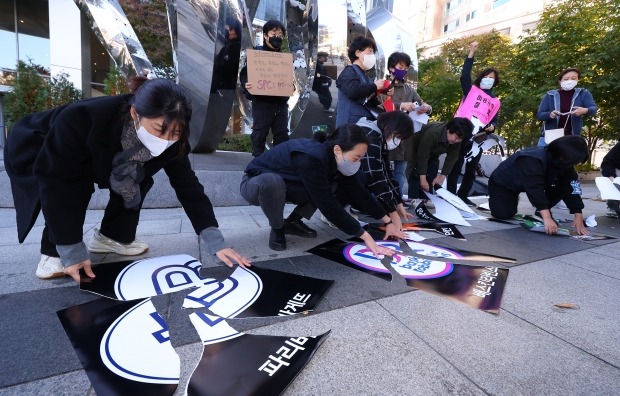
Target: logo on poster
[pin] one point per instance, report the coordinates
(408, 266)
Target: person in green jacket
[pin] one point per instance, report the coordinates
(422, 152)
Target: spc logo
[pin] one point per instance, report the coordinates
(361, 256)
(409, 267)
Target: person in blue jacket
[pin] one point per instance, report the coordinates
(487, 79)
(315, 174)
(354, 87)
(566, 107)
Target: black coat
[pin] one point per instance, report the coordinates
(53, 158)
(310, 173)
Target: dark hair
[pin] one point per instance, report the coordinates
(395, 122)
(484, 73)
(570, 150)
(235, 25)
(398, 57)
(360, 43)
(161, 97)
(273, 24)
(570, 69)
(462, 127)
(346, 136)
(322, 54)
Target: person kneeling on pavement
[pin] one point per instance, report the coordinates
(314, 173)
(119, 142)
(609, 168)
(547, 175)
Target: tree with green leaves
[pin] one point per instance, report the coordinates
(34, 92)
(115, 82)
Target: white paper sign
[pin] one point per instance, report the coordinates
(608, 189)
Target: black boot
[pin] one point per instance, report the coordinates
(277, 240)
(293, 225)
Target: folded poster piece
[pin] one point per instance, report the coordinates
(443, 211)
(132, 280)
(378, 230)
(608, 189)
(259, 292)
(124, 347)
(455, 201)
(238, 364)
(537, 226)
(432, 251)
(479, 287)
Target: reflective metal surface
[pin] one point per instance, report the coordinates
(110, 25)
(207, 58)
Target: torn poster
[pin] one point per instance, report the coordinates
(124, 347)
(609, 189)
(238, 364)
(259, 292)
(378, 230)
(433, 251)
(444, 212)
(334, 250)
(537, 226)
(478, 287)
(132, 280)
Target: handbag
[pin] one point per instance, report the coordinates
(551, 134)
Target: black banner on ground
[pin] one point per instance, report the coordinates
(444, 229)
(478, 287)
(123, 347)
(238, 364)
(259, 292)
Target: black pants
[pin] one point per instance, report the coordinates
(468, 177)
(413, 179)
(118, 223)
(266, 116)
(325, 96)
(503, 202)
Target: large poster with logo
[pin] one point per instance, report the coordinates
(251, 292)
(238, 364)
(480, 287)
(124, 347)
(259, 292)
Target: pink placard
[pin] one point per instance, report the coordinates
(479, 104)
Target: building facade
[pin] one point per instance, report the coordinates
(437, 21)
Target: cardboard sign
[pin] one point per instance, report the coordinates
(478, 104)
(270, 73)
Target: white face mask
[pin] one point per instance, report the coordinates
(567, 85)
(369, 61)
(154, 144)
(393, 143)
(487, 83)
(348, 168)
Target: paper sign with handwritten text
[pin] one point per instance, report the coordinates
(270, 73)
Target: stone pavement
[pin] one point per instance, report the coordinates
(386, 338)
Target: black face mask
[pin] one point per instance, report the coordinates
(276, 42)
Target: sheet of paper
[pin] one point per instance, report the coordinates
(608, 189)
(446, 212)
(419, 120)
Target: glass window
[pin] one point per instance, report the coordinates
(33, 32)
(497, 3)
(8, 54)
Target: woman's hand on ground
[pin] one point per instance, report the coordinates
(74, 270)
(228, 255)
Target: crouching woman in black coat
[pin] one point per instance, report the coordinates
(314, 174)
(546, 175)
(53, 158)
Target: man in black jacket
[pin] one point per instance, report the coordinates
(322, 82)
(609, 166)
(268, 112)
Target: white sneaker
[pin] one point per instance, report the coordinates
(611, 213)
(102, 244)
(50, 267)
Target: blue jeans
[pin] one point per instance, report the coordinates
(399, 174)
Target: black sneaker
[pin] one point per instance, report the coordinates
(298, 228)
(277, 239)
(468, 202)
